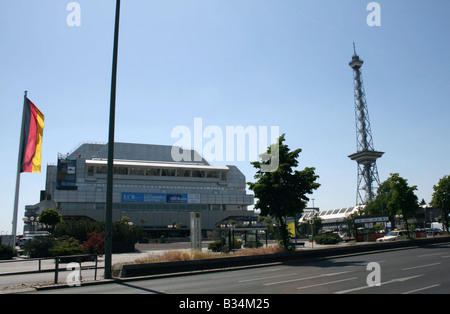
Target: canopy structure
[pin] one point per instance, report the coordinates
(333, 218)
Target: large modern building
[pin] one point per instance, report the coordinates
(149, 187)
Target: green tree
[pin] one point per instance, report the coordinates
(281, 192)
(395, 197)
(403, 198)
(78, 228)
(125, 231)
(50, 217)
(441, 199)
(379, 205)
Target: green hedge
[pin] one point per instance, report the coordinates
(50, 247)
(329, 238)
(6, 252)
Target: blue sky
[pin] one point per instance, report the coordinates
(232, 63)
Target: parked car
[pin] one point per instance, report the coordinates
(342, 235)
(29, 237)
(393, 236)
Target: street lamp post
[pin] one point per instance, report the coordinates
(109, 180)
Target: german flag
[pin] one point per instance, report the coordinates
(31, 138)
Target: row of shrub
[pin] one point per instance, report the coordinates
(76, 237)
(63, 246)
(221, 246)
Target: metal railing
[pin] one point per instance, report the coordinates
(79, 259)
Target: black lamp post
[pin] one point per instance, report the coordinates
(109, 181)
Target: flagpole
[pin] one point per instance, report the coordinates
(19, 163)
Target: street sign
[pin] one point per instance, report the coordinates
(371, 219)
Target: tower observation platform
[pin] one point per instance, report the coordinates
(366, 156)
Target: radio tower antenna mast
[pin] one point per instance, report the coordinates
(366, 156)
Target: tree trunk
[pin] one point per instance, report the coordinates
(284, 233)
(407, 227)
(392, 219)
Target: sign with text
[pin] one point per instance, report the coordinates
(196, 231)
(371, 219)
(170, 198)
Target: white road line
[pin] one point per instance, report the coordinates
(382, 284)
(421, 266)
(425, 288)
(269, 277)
(248, 274)
(327, 283)
(306, 278)
(432, 254)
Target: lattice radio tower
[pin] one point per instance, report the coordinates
(366, 156)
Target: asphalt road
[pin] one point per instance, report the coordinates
(422, 270)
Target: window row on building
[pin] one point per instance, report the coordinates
(143, 207)
(148, 170)
(162, 187)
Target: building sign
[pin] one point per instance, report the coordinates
(196, 231)
(194, 198)
(290, 224)
(66, 176)
(371, 219)
(160, 198)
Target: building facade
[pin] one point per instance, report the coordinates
(149, 187)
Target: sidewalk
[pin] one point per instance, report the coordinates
(24, 282)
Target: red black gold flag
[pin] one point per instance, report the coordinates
(31, 138)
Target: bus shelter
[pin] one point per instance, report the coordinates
(364, 227)
(237, 237)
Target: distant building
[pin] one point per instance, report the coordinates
(425, 216)
(149, 187)
(332, 219)
(337, 219)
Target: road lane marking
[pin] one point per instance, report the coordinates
(269, 277)
(421, 266)
(432, 254)
(327, 283)
(248, 274)
(306, 278)
(421, 289)
(382, 284)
